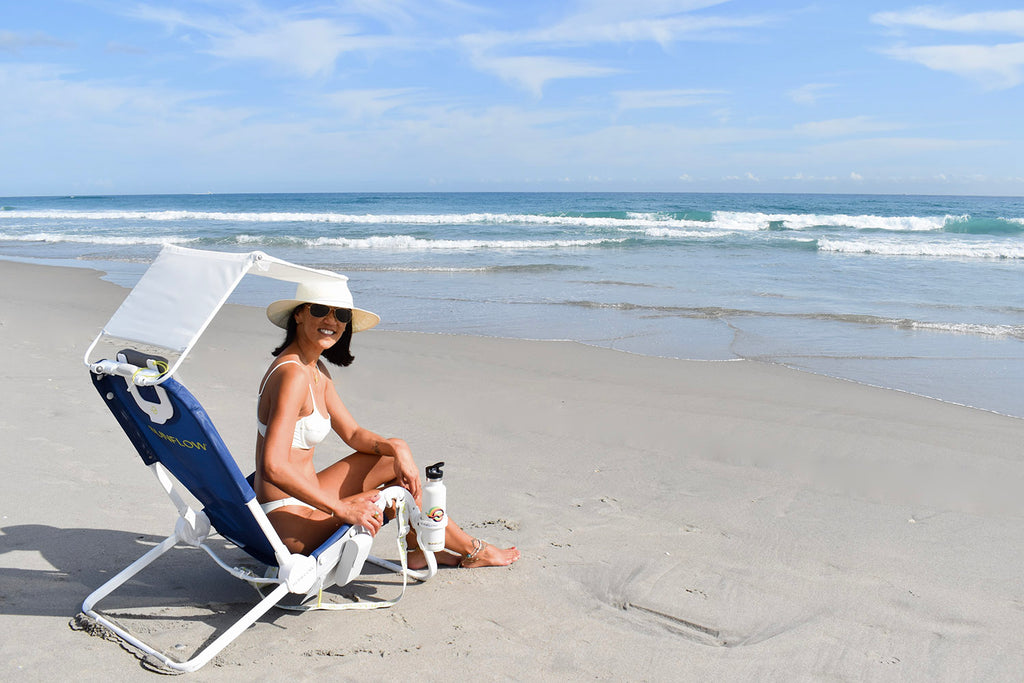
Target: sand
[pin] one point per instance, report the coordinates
(678, 520)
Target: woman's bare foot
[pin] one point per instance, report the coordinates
(418, 561)
(486, 555)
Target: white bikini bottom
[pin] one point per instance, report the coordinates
(281, 502)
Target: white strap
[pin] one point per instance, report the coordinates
(272, 371)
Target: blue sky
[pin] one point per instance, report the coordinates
(108, 96)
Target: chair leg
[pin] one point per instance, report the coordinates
(204, 655)
(214, 648)
(128, 572)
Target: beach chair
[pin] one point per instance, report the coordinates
(176, 439)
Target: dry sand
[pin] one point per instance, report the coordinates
(678, 520)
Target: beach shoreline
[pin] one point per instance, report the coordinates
(909, 292)
(734, 520)
(126, 274)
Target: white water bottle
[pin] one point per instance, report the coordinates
(433, 516)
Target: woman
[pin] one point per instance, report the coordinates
(299, 406)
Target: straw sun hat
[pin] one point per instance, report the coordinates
(332, 292)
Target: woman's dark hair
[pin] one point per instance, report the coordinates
(339, 354)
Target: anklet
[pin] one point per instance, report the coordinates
(478, 545)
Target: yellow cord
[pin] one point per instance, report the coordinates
(158, 363)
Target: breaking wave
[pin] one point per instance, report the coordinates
(665, 222)
(392, 242)
(989, 250)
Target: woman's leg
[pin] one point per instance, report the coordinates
(469, 552)
(357, 473)
(302, 529)
(363, 471)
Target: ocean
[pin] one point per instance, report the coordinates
(923, 294)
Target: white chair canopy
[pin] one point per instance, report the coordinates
(179, 295)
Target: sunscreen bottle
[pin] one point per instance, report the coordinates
(433, 517)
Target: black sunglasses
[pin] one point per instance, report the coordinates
(342, 315)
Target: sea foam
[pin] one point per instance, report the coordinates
(990, 250)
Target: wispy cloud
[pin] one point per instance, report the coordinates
(616, 10)
(292, 40)
(994, 66)
(1010, 21)
(534, 72)
(286, 40)
(371, 103)
(665, 99)
(625, 27)
(873, 149)
(47, 93)
(748, 176)
(407, 15)
(661, 30)
(595, 23)
(176, 20)
(809, 93)
(833, 128)
(16, 42)
(308, 47)
(118, 48)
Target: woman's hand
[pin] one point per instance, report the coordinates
(361, 509)
(407, 475)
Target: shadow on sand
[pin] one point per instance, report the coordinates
(48, 571)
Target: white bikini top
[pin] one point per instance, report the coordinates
(309, 430)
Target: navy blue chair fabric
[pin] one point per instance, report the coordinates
(188, 445)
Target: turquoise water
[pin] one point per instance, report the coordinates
(921, 294)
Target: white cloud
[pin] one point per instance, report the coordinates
(175, 20)
(664, 31)
(114, 47)
(842, 127)
(305, 46)
(370, 103)
(309, 47)
(876, 149)
(665, 99)
(16, 42)
(294, 41)
(809, 93)
(660, 21)
(1010, 21)
(856, 176)
(583, 30)
(597, 22)
(399, 15)
(998, 66)
(44, 92)
(532, 73)
(616, 10)
(994, 67)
